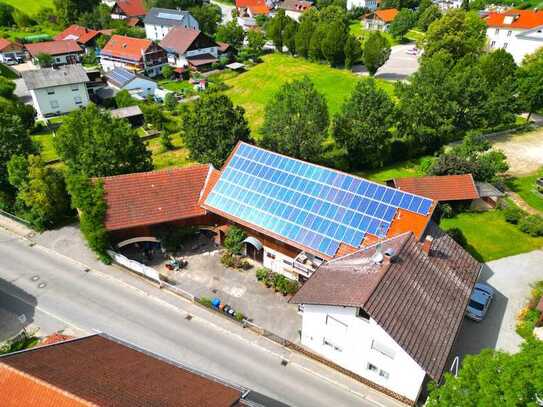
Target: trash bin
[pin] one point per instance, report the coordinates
(215, 302)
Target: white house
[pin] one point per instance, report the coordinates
(520, 32)
(379, 20)
(390, 312)
(445, 5)
(188, 47)
(159, 21)
(369, 4)
(138, 86)
(57, 91)
(295, 8)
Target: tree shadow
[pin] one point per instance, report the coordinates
(17, 309)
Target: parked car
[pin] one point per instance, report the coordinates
(10, 61)
(480, 300)
(412, 51)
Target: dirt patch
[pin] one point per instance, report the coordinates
(524, 151)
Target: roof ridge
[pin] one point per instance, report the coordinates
(169, 169)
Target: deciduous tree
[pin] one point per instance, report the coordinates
(402, 23)
(275, 29)
(352, 51)
(231, 33)
(14, 140)
(208, 16)
(530, 83)
(376, 52)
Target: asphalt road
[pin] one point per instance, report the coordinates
(91, 302)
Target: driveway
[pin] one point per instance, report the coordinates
(512, 278)
(524, 151)
(399, 66)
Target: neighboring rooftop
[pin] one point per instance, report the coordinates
(386, 14)
(126, 112)
(257, 7)
(6, 44)
(120, 77)
(295, 5)
(166, 17)
(132, 8)
(130, 48)
(53, 48)
(49, 77)
(418, 298)
(310, 207)
(515, 19)
(148, 198)
(440, 188)
(180, 40)
(77, 33)
(487, 190)
(100, 370)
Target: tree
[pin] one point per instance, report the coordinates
(22, 20)
(233, 241)
(25, 112)
(402, 23)
(44, 60)
(494, 378)
(276, 29)
(428, 16)
(333, 43)
(7, 87)
(152, 113)
(296, 121)
(6, 15)
(208, 16)
(458, 32)
(41, 191)
(376, 52)
(232, 34)
(530, 82)
(362, 127)
(315, 49)
(97, 19)
(166, 71)
(123, 99)
(255, 43)
(170, 101)
(166, 140)
(94, 144)
(69, 11)
(308, 23)
(14, 140)
(289, 36)
(212, 127)
(352, 51)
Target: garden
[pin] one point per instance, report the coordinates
(530, 317)
(528, 189)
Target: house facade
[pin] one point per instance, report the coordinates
(379, 20)
(132, 11)
(11, 52)
(295, 8)
(57, 91)
(63, 51)
(367, 4)
(133, 54)
(159, 21)
(187, 47)
(519, 32)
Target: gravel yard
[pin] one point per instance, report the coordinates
(524, 151)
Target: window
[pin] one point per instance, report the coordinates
(57, 59)
(505, 46)
(384, 374)
(78, 100)
(50, 91)
(330, 344)
(509, 33)
(383, 349)
(372, 368)
(360, 313)
(497, 31)
(287, 262)
(75, 88)
(54, 104)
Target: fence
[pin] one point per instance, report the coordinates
(15, 218)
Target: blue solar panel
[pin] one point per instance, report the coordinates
(311, 205)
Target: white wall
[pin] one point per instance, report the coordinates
(369, 4)
(63, 99)
(279, 263)
(375, 25)
(517, 46)
(158, 32)
(352, 338)
(148, 87)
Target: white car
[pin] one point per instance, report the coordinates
(479, 301)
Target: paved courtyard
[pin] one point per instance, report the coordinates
(512, 278)
(399, 66)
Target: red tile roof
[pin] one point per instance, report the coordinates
(440, 188)
(7, 45)
(255, 6)
(99, 370)
(387, 14)
(120, 46)
(520, 19)
(77, 33)
(53, 48)
(132, 8)
(149, 198)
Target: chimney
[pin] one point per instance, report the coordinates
(427, 245)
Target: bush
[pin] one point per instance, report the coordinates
(457, 235)
(512, 214)
(447, 210)
(532, 225)
(234, 261)
(206, 302)
(262, 273)
(233, 242)
(239, 316)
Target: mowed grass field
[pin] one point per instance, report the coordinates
(527, 189)
(30, 7)
(254, 88)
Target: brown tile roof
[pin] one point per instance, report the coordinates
(53, 48)
(148, 198)
(180, 39)
(201, 60)
(104, 371)
(121, 46)
(419, 300)
(132, 8)
(77, 33)
(440, 188)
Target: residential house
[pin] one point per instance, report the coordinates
(58, 90)
(187, 47)
(366, 4)
(63, 52)
(86, 38)
(11, 52)
(390, 312)
(134, 54)
(132, 11)
(100, 370)
(159, 21)
(445, 5)
(379, 20)
(138, 86)
(295, 8)
(519, 32)
(248, 10)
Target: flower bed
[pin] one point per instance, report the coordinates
(277, 281)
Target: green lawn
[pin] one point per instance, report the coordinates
(254, 88)
(30, 7)
(526, 188)
(177, 157)
(490, 237)
(175, 86)
(45, 141)
(410, 168)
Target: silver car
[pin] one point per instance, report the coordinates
(480, 300)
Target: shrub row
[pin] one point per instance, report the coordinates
(234, 261)
(530, 224)
(278, 281)
(529, 317)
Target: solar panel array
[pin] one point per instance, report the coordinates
(169, 16)
(311, 205)
(120, 75)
